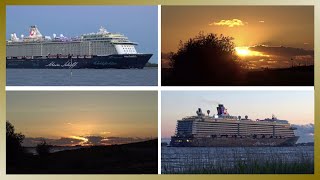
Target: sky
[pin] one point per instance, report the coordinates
(295, 106)
(81, 116)
(271, 26)
(138, 23)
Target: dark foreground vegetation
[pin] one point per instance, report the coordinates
(251, 168)
(133, 158)
(211, 60)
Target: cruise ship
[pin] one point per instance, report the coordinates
(93, 50)
(224, 130)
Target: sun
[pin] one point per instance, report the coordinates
(83, 139)
(243, 51)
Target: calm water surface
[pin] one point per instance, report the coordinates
(82, 77)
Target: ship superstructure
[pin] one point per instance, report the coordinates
(94, 50)
(226, 130)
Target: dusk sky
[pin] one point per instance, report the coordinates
(295, 106)
(138, 23)
(250, 26)
(78, 116)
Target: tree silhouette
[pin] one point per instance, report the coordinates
(43, 149)
(207, 59)
(13, 140)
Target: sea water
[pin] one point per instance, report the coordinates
(179, 159)
(82, 77)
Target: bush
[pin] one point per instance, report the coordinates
(13, 140)
(205, 59)
(43, 149)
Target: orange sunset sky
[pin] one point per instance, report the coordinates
(71, 118)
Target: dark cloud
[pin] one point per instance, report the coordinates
(279, 57)
(124, 140)
(94, 140)
(282, 51)
(306, 133)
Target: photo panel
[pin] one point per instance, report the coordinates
(237, 132)
(82, 132)
(82, 45)
(237, 45)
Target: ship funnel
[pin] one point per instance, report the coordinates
(102, 30)
(54, 35)
(14, 37)
(199, 112)
(220, 109)
(34, 32)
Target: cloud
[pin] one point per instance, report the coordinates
(306, 133)
(105, 132)
(94, 140)
(282, 51)
(229, 23)
(303, 57)
(278, 57)
(209, 101)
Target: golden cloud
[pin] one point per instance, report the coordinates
(229, 23)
